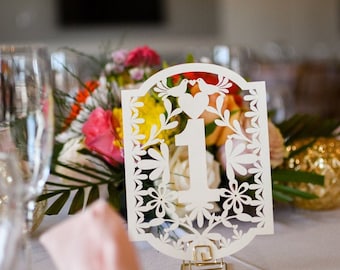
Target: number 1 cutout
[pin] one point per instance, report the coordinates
(193, 136)
(177, 218)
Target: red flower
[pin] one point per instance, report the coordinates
(100, 136)
(208, 77)
(142, 56)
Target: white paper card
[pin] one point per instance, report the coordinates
(175, 199)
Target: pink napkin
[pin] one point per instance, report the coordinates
(95, 239)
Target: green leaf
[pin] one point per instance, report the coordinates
(302, 148)
(94, 195)
(190, 58)
(55, 184)
(281, 175)
(80, 53)
(85, 182)
(77, 202)
(281, 196)
(294, 192)
(58, 204)
(114, 196)
(209, 128)
(307, 126)
(51, 194)
(85, 170)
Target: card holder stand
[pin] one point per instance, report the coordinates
(204, 266)
(203, 260)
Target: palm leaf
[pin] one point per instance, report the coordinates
(302, 126)
(288, 176)
(58, 204)
(61, 192)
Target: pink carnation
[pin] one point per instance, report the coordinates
(142, 56)
(119, 57)
(100, 136)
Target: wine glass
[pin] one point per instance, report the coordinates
(11, 217)
(26, 116)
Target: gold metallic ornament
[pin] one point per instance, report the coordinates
(323, 157)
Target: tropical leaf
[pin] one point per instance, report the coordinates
(282, 196)
(77, 202)
(293, 192)
(94, 195)
(307, 126)
(59, 203)
(291, 176)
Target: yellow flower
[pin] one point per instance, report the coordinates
(117, 115)
(151, 112)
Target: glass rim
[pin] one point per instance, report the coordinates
(12, 48)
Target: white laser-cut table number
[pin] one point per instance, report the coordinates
(199, 235)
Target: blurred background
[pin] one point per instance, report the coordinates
(293, 45)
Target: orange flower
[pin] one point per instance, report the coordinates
(75, 109)
(80, 99)
(219, 135)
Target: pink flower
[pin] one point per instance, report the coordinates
(276, 144)
(119, 57)
(100, 136)
(142, 56)
(136, 74)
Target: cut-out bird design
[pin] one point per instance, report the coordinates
(221, 87)
(174, 91)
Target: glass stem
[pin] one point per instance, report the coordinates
(30, 205)
(29, 215)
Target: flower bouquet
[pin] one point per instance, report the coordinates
(88, 159)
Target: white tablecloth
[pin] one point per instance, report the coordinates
(303, 240)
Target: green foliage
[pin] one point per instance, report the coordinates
(285, 193)
(76, 188)
(300, 126)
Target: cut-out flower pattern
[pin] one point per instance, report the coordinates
(159, 164)
(236, 196)
(199, 211)
(237, 159)
(161, 200)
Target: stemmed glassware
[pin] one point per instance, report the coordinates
(26, 117)
(11, 210)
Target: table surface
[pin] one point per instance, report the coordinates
(303, 240)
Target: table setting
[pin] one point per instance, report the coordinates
(146, 164)
(303, 239)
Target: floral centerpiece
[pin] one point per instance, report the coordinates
(88, 157)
